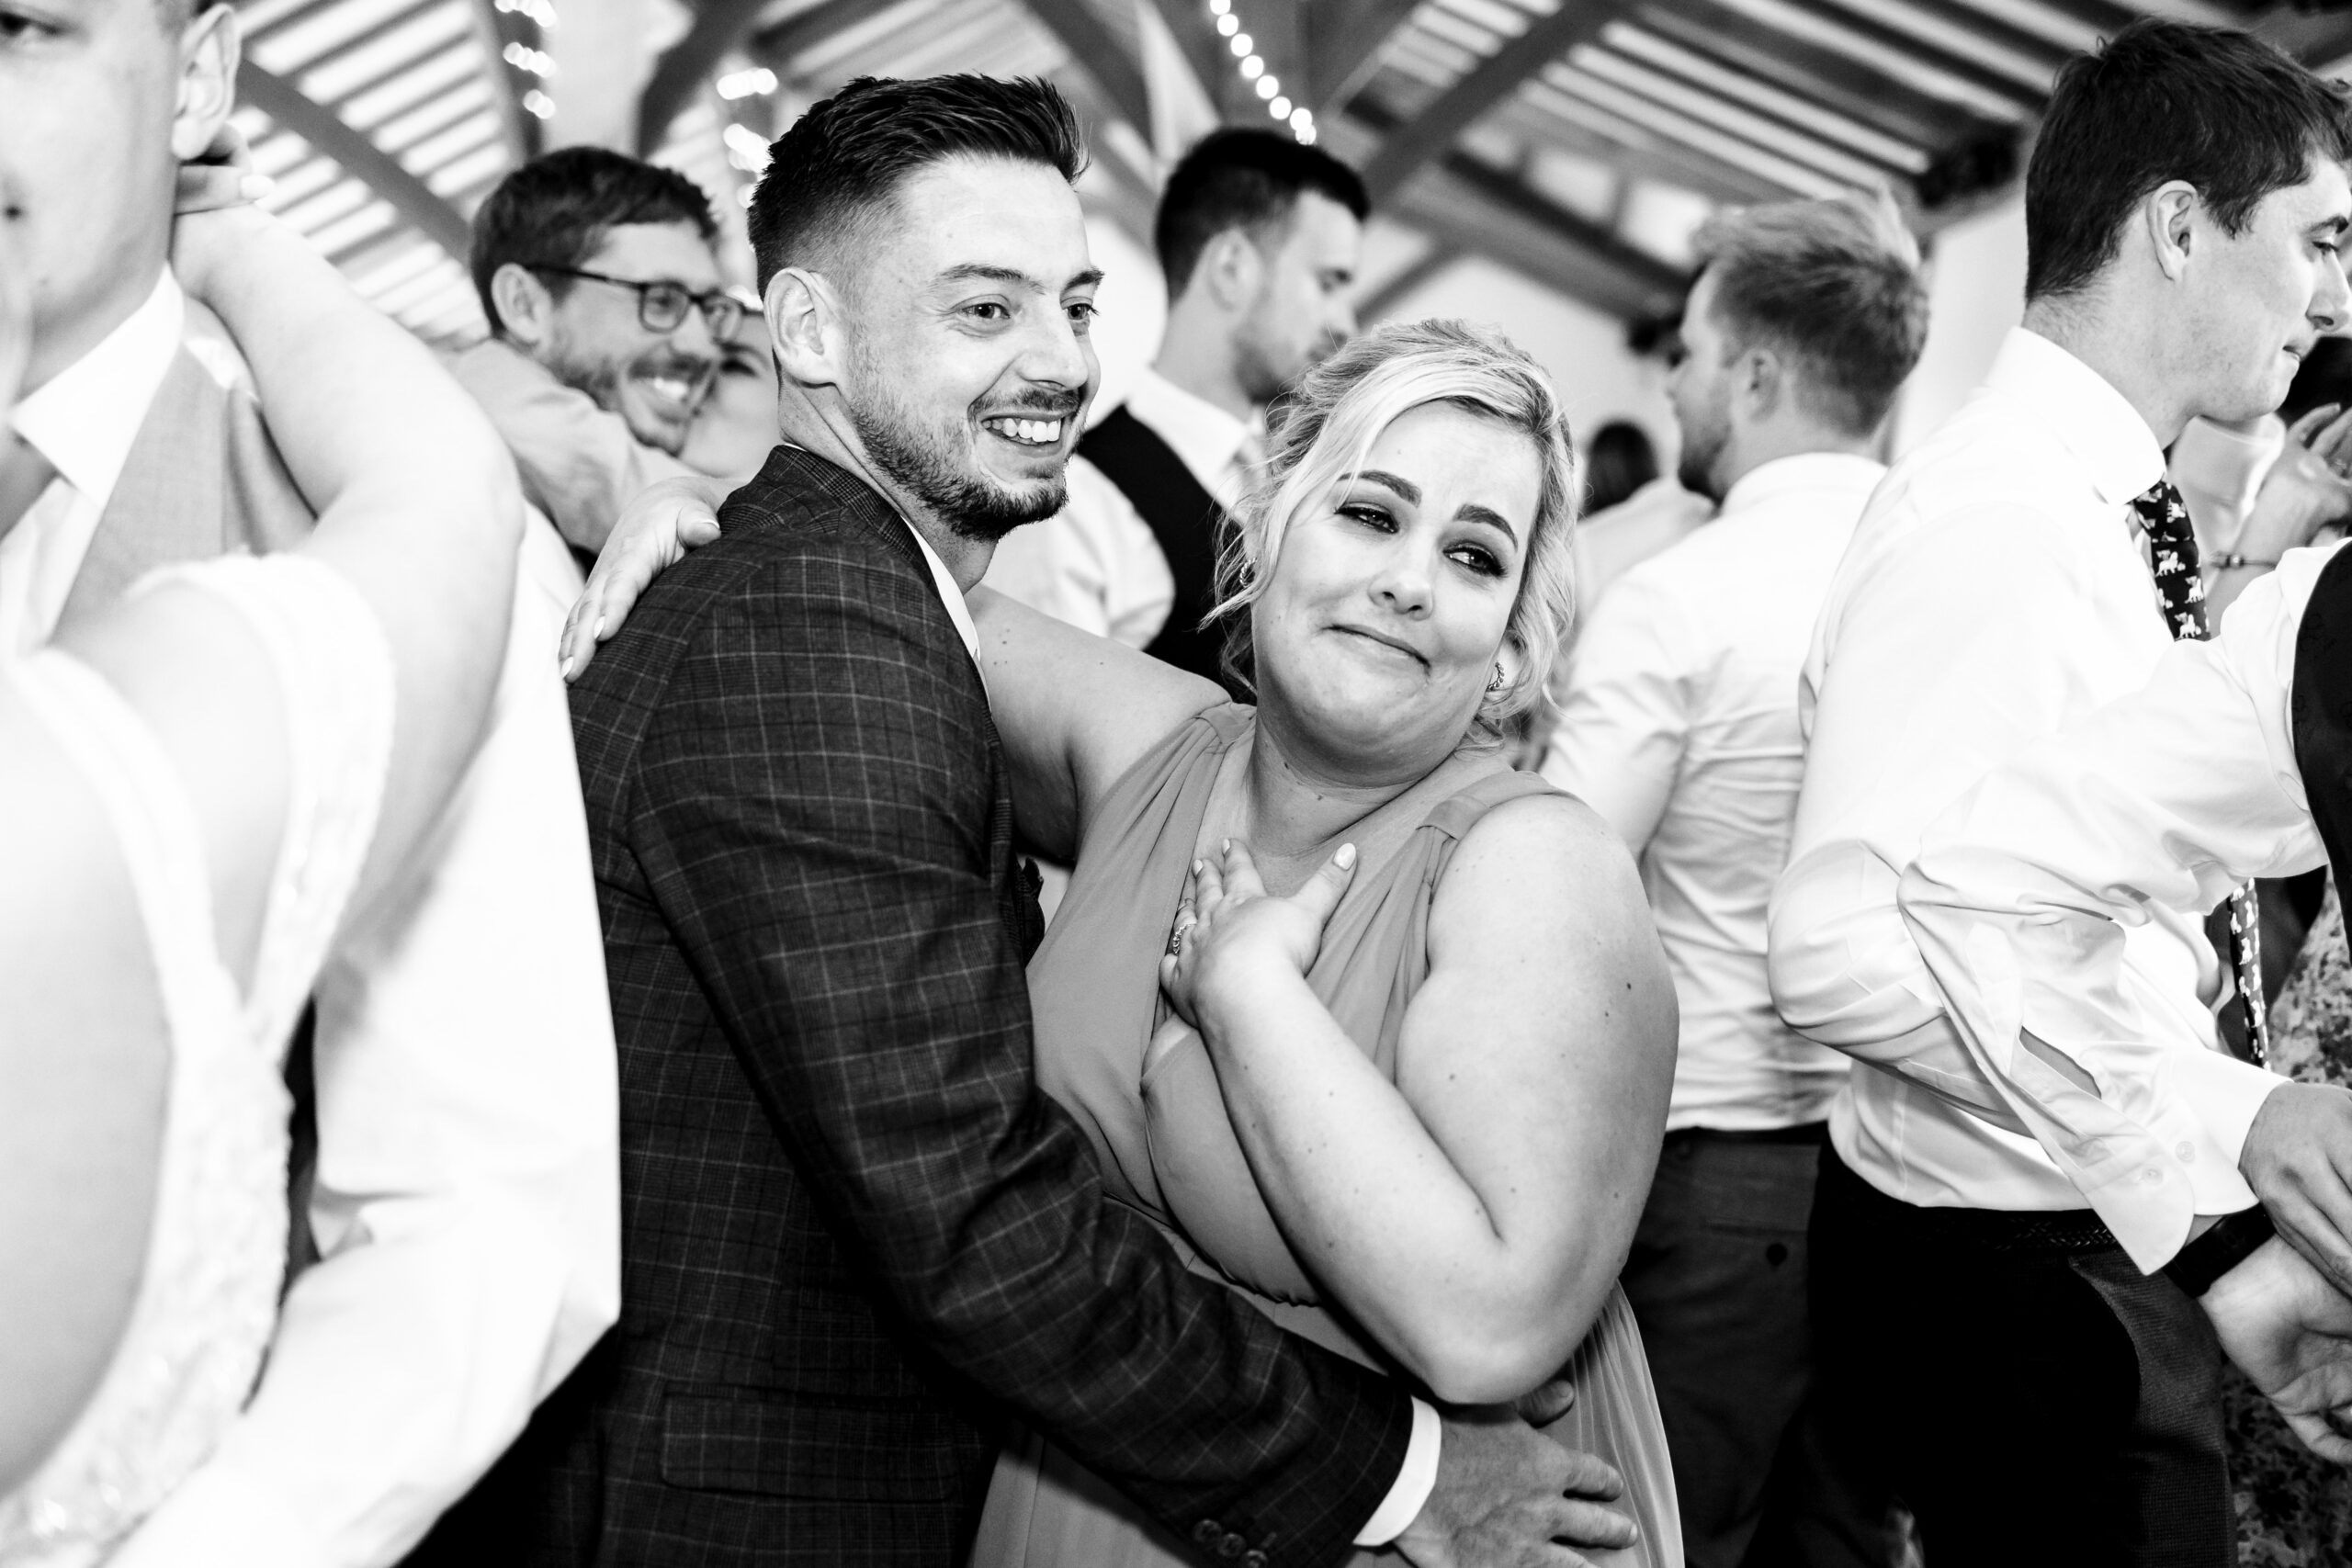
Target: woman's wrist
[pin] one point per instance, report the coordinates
(217, 254)
(1238, 986)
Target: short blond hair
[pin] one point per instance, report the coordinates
(1326, 434)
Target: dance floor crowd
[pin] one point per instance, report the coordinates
(735, 927)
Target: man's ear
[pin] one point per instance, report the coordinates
(1760, 377)
(208, 83)
(526, 309)
(1231, 270)
(805, 324)
(2170, 215)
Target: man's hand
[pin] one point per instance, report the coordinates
(1507, 1496)
(2298, 1159)
(2305, 489)
(2291, 1334)
(667, 518)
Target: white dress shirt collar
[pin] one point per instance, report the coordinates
(949, 593)
(1207, 438)
(84, 421)
(2083, 411)
(84, 418)
(1801, 471)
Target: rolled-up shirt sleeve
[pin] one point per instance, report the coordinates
(2021, 893)
(1926, 688)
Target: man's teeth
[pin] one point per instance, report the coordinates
(671, 386)
(1035, 432)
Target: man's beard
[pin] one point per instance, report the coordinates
(930, 467)
(1695, 468)
(1261, 381)
(602, 380)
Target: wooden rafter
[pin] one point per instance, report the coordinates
(1343, 40)
(1485, 210)
(718, 26)
(360, 158)
(1100, 55)
(1435, 129)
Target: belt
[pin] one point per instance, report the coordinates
(2037, 1232)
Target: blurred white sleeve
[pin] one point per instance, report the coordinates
(466, 1208)
(1624, 719)
(1094, 564)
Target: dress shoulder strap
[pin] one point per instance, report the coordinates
(1458, 813)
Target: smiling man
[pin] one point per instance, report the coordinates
(609, 325)
(1978, 1258)
(857, 1234)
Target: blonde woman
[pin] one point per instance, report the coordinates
(1376, 1029)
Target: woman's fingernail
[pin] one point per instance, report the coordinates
(252, 187)
(1227, 846)
(1196, 868)
(1346, 857)
(599, 633)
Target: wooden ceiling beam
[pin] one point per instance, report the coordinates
(1104, 59)
(1343, 44)
(358, 157)
(1436, 128)
(1484, 210)
(718, 26)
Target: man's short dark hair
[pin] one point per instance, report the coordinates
(555, 210)
(845, 159)
(1243, 179)
(1834, 285)
(2166, 100)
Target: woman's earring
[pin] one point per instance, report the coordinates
(1497, 683)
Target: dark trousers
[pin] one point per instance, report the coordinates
(2035, 1398)
(1717, 1279)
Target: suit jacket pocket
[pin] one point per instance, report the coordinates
(775, 1444)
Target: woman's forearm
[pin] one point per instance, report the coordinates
(1377, 1209)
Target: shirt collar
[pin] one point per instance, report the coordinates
(1203, 435)
(1802, 470)
(949, 593)
(2082, 410)
(86, 418)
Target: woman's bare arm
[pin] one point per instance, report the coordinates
(1473, 1214)
(1075, 711)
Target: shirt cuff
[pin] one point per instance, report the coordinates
(1415, 1481)
(2226, 1093)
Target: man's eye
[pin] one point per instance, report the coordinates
(989, 311)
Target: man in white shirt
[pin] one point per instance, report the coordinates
(466, 1197)
(2229, 763)
(1259, 238)
(1981, 1306)
(1679, 726)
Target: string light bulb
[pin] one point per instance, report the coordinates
(1252, 66)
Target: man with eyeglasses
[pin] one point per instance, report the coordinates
(609, 324)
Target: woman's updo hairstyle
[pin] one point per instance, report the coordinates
(1325, 434)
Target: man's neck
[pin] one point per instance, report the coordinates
(2123, 351)
(1771, 444)
(1197, 355)
(805, 427)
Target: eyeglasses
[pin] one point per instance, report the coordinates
(661, 306)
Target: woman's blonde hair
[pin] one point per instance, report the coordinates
(1325, 435)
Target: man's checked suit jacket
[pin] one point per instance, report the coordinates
(854, 1228)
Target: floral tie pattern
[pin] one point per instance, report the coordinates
(2172, 553)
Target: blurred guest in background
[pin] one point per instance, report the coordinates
(2258, 487)
(733, 431)
(464, 1200)
(1259, 238)
(1679, 728)
(610, 324)
(1618, 461)
(1992, 1217)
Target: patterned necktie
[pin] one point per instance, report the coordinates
(2172, 550)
